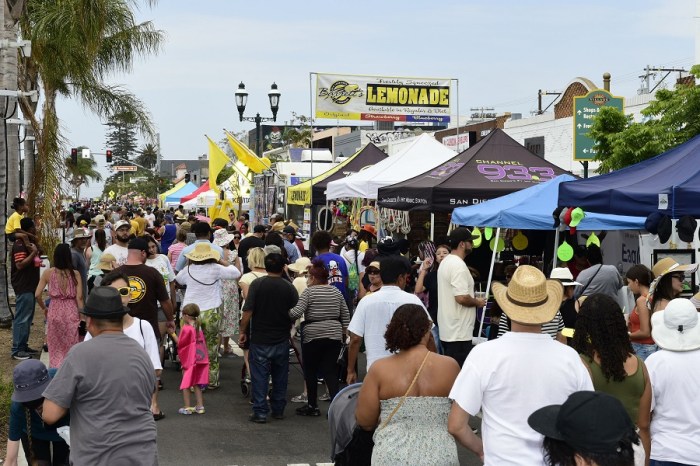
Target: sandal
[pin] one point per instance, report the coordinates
(158, 416)
(199, 409)
(186, 411)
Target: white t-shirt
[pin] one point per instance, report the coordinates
(675, 420)
(120, 253)
(508, 379)
(372, 316)
(204, 283)
(145, 337)
(150, 218)
(161, 263)
(456, 322)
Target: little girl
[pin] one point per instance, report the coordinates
(194, 358)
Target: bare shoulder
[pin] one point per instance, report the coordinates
(445, 363)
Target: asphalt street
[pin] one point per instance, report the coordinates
(224, 436)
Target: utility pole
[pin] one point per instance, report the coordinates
(650, 71)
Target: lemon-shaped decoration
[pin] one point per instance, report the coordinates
(519, 241)
(498, 243)
(476, 237)
(488, 233)
(565, 252)
(593, 239)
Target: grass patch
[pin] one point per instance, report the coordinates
(5, 400)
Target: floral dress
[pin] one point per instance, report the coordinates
(62, 319)
(231, 305)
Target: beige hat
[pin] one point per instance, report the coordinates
(278, 226)
(529, 298)
(187, 226)
(80, 233)
(301, 265)
(106, 261)
(203, 251)
(99, 219)
(668, 264)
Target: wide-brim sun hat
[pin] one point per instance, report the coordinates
(676, 328)
(203, 251)
(668, 265)
(29, 379)
(300, 265)
(564, 275)
(222, 237)
(81, 233)
(278, 227)
(530, 298)
(105, 262)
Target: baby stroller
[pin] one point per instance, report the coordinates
(245, 377)
(350, 445)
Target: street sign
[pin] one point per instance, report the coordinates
(125, 168)
(111, 194)
(586, 108)
(85, 153)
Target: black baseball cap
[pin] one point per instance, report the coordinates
(590, 422)
(289, 230)
(259, 229)
(138, 243)
(458, 235)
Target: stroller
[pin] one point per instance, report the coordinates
(350, 445)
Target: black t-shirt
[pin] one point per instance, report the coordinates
(246, 245)
(430, 283)
(147, 290)
(270, 299)
(26, 279)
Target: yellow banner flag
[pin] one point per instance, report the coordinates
(247, 156)
(217, 161)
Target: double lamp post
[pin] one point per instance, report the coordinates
(242, 100)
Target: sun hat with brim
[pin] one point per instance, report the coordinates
(676, 328)
(81, 233)
(278, 226)
(300, 265)
(668, 265)
(222, 237)
(529, 298)
(564, 275)
(106, 261)
(590, 422)
(104, 302)
(29, 378)
(203, 251)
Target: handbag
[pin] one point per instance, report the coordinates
(403, 398)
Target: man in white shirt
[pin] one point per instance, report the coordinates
(374, 312)
(150, 218)
(120, 239)
(515, 375)
(674, 372)
(456, 302)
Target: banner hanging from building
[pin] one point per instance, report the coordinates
(377, 98)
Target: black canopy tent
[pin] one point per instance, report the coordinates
(495, 166)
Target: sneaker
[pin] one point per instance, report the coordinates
(199, 409)
(32, 351)
(278, 416)
(303, 398)
(186, 411)
(307, 410)
(257, 419)
(325, 397)
(21, 356)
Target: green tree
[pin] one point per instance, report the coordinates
(670, 119)
(121, 136)
(81, 173)
(148, 156)
(76, 45)
(298, 136)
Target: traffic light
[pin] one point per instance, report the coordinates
(187, 177)
(109, 156)
(74, 156)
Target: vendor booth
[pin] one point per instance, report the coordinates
(202, 189)
(175, 197)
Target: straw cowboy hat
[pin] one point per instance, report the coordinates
(300, 265)
(676, 327)
(529, 298)
(203, 251)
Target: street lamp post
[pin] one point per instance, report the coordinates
(242, 100)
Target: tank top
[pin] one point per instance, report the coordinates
(628, 391)
(94, 262)
(634, 326)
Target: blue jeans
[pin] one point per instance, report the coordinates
(266, 361)
(24, 315)
(436, 337)
(666, 463)
(644, 350)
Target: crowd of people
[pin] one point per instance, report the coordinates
(570, 375)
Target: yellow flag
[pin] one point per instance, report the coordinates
(217, 161)
(247, 156)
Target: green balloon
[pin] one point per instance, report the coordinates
(488, 233)
(565, 252)
(476, 237)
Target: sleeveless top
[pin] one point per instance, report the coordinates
(628, 391)
(634, 326)
(94, 269)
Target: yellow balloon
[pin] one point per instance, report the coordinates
(565, 252)
(476, 237)
(501, 244)
(520, 241)
(488, 233)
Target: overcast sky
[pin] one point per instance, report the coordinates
(501, 52)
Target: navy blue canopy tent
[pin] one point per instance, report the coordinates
(669, 183)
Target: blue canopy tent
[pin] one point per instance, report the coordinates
(669, 183)
(174, 198)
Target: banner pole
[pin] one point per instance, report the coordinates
(311, 123)
(457, 105)
(479, 338)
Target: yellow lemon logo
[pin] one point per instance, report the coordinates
(138, 289)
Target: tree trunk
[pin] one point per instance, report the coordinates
(5, 106)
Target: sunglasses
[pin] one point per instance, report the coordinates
(679, 276)
(124, 291)
(372, 271)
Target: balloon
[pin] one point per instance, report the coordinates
(488, 233)
(501, 244)
(593, 239)
(565, 252)
(476, 237)
(520, 241)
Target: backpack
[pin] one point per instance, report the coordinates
(353, 277)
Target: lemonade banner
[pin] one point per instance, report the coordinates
(381, 98)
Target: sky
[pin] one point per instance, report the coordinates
(500, 51)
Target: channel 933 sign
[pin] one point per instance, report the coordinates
(377, 98)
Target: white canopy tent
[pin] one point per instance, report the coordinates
(420, 156)
(208, 198)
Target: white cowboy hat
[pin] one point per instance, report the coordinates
(529, 298)
(676, 327)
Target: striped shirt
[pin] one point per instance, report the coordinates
(325, 313)
(550, 328)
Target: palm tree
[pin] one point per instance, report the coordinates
(148, 156)
(76, 44)
(81, 173)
